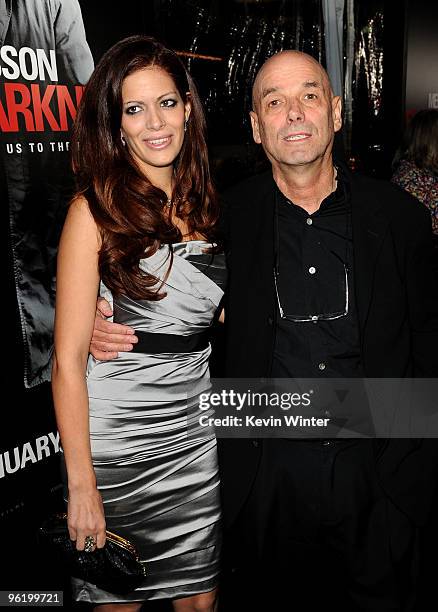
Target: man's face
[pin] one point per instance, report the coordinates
(295, 114)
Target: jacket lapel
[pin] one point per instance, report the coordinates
(258, 219)
(370, 226)
(266, 224)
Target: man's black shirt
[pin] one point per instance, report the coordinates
(311, 253)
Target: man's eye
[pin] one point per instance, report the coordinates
(132, 110)
(310, 96)
(273, 102)
(169, 103)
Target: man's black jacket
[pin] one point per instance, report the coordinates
(396, 291)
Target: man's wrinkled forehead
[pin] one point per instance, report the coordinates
(300, 66)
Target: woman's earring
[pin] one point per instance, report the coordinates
(122, 138)
(185, 124)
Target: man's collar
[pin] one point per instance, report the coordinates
(335, 202)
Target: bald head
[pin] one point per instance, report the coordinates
(295, 114)
(284, 61)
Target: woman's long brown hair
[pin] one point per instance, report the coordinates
(128, 210)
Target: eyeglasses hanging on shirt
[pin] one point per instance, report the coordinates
(313, 316)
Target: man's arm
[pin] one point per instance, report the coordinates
(109, 338)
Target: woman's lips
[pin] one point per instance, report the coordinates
(158, 143)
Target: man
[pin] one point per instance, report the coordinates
(356, 253)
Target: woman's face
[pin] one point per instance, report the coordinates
(153, 116)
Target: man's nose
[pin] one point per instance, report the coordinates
(295, 111)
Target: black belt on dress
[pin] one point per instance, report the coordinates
(170, 343)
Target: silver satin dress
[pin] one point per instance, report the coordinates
(160, 487)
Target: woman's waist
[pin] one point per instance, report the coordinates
(143, 373)
(147, 392)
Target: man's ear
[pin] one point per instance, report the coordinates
(337, 113)
(255, 126)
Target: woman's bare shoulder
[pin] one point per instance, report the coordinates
(80, 219)
(79, 205)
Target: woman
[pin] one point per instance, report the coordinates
(416, 162)
(142, 227)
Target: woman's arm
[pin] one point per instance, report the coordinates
(77, 287)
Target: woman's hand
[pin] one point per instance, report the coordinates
(86, 517)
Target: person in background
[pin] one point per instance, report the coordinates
(144, 223)
(416, 162)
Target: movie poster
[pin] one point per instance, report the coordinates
(44, 62)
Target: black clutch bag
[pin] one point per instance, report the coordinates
(115, 568)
